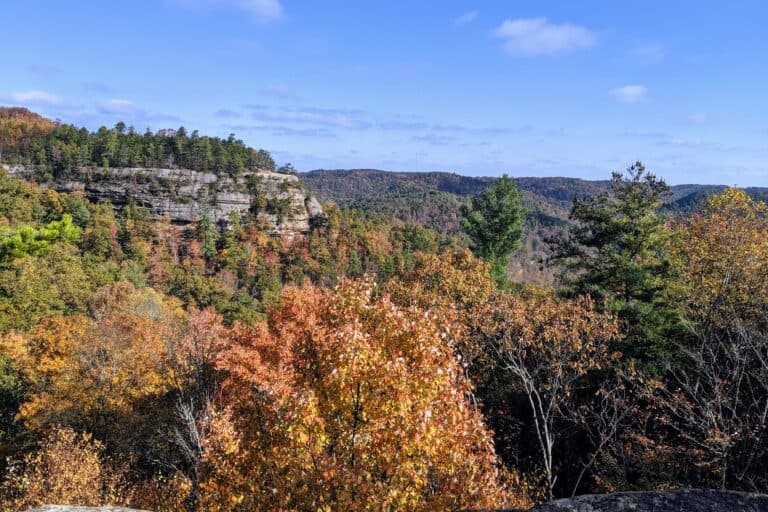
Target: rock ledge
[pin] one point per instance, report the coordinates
(72, 508)
(684, 500)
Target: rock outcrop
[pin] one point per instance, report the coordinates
(683, 500)
(71, 508)
(184, 195)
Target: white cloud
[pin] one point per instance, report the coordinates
(262, 11)
(650, 51)
(334, 117)
(465, 18)
(117, 106)
(127, 110)
(36, 97)
(42, 69)
(537, 36)
(698, 118)
(630, 93)
(279, 91)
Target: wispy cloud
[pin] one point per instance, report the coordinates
(42, 69)
(261, 11)
(336, 117)
(402, 125)
(255, 106)
(280, 91)
(698, 118)
(444, 128)
(95, 87)
(117, 106)
(630, 93)
(437, 140)
(226, 113)
(654, 51)
(284, 131)
(129, 111)
(36, 97)
(529, 37)
(465, 18)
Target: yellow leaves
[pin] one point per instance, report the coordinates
(721, 256)
(83, 369)
(67, 469)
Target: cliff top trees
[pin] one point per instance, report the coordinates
(60, 149)
(494, 222)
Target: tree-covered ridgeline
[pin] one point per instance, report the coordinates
(62, 149)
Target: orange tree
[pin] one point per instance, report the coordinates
(347, 402)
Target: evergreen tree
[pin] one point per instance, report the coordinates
(207, 233)
(494, 222)
(617, 254)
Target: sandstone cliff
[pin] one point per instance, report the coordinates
(183, 195)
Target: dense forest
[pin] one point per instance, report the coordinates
(27, 138)
(375, 362)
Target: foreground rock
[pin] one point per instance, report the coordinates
(71, 508)
(668, 501)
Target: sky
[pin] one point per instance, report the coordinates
(527, 88)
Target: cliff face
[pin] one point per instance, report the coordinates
(278, 200)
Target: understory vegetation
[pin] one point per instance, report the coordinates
(371, 363)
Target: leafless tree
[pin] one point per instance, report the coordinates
(717, 399)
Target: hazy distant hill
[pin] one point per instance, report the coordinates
(434, 199)
(414, 194)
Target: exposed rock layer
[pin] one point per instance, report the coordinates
(70, 508)
(684, 500)
(184, 195)
(668, 501)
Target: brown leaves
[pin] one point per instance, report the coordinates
(67, 469)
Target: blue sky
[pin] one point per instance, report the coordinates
(530, 88)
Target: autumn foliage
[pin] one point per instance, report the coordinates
(346, 402)
(68, 469)
(372, 365)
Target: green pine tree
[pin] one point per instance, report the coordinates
(617, 254)
(494, 222)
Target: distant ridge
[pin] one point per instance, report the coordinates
(434, 200)
(349, 186)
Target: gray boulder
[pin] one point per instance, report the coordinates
(684, 500)
(72, 508)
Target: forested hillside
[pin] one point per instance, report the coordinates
(435, 199)
(370, 362)
(398, 193)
